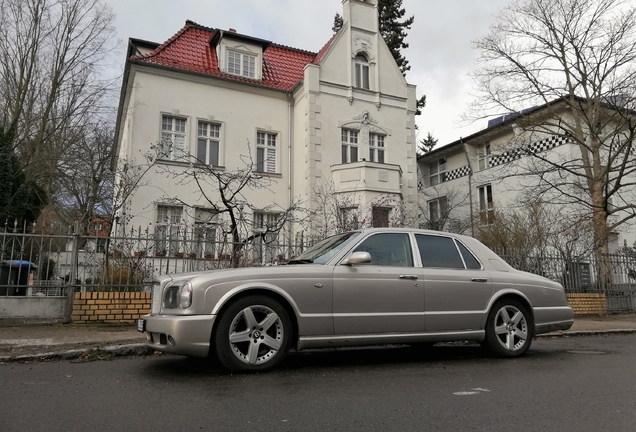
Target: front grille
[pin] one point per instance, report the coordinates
(155, 306)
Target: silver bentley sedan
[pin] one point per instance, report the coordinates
(366, 287)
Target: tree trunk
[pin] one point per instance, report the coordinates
(601, 238)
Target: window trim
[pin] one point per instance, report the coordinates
(375, 148)
(241, 65)
(170, 154)
(437, 200)
(209, 138)
(263, 167)
(486, 207)
(485, 154)
(440, 174)
(362, 72)
(346, 145)
(170, 245)
(381, 208)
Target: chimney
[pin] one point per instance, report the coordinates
(232, 30)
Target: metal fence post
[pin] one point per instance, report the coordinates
(72, 279)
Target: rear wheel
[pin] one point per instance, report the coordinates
(253, 335)
(509, 329)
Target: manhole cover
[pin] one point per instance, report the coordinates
(586, 352)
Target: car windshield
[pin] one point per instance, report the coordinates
(323, 251)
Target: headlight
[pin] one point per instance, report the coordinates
(185, 299)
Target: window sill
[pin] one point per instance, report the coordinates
(188, 164)
(268, 174)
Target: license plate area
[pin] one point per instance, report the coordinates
(141, 325)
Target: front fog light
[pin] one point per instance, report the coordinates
(185, 299)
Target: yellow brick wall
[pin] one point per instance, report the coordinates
(587, 303)
(110, 307)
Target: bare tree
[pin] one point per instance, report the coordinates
(577, 57)
(85, 181)
(335, 212)
(52, 56)
(443, 208)
(224, 193)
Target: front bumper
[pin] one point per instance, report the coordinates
(177, 334)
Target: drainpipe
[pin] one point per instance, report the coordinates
(289, 164)
(470, 188)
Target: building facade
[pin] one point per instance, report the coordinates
(515, 162)
(338, 122)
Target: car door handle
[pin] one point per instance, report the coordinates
(479, 280)
(411, 277)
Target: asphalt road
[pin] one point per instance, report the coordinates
(564, 384)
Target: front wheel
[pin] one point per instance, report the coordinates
(509, 329)
(253, 335)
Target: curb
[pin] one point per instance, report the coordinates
(587, 333)
(140, 349)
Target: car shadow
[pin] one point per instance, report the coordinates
(332, 358)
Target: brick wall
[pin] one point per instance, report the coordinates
(587, 303)
(110, 307)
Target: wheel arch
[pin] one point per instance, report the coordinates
(508, 294)
(236, 295)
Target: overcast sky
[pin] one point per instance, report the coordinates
(440, 52)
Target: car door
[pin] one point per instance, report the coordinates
(382, 296)
(456, 287)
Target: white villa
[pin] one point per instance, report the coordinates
(338, 120)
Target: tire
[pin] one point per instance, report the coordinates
(509, 329)
(253, 335)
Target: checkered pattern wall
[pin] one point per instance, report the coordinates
(450, 175)
(457, 173)
(536, 147)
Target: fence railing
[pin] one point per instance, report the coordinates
(44, 264)
(33, 263)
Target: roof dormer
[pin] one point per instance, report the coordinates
(238, 54)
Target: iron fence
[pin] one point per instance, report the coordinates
(38, 263)
(43, 264)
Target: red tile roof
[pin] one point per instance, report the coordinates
(189, 49)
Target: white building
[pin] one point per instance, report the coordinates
(463, 184)
(340, 120)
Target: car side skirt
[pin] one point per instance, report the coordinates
(306, 342)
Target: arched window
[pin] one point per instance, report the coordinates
(362, 72)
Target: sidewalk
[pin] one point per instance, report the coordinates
(27, 340)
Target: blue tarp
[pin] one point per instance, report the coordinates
(18, 263)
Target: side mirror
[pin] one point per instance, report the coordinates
(358, 258)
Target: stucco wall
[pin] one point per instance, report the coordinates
(32, 307)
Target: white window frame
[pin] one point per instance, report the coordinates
(361, 68)
(167, 229)
(377, 150)
(174, 131)
(266, 152)
(484, 156)
(437, 209)
(437, 172)
(349, 138)
(266, 246)
(242, 64)
(486, 205)
(205, 231)
(208, 136)
(349, 219)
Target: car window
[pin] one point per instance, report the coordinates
(469, 258)
(389, 249)
(325, 250)
(437, 251)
